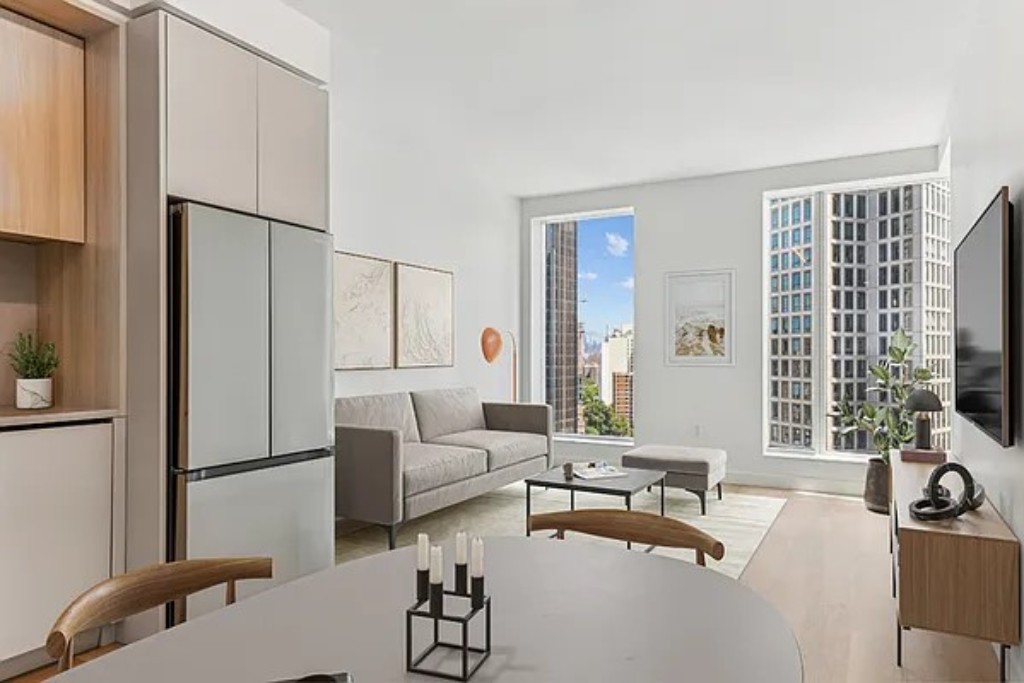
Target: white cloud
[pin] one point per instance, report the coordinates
(616, 244)
(627, 283)
(589, 276)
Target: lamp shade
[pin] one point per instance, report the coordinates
(490, 344)
(923, 401)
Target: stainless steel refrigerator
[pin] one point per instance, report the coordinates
(252, 467)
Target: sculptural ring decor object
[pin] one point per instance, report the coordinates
(939, 504)
(491, 345)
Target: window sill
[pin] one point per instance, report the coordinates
(818, 457)
(594, 440)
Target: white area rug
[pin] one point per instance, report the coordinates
(739, 520)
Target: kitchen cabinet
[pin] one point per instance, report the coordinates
(42, 132)
(293, 148)
(55, 525)
(212, 117)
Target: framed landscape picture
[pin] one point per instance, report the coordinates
(363, 306)
(424, 317)
(700, 321)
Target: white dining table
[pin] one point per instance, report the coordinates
(561, 611)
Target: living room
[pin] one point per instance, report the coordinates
(670, 304)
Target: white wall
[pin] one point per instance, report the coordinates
(713, 222)
(986, 127)
(398, 191)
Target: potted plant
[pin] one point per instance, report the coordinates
(33, 362)
(889, 423)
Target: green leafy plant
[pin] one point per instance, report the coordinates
(888, 422)
(32, 358)
(598, 416)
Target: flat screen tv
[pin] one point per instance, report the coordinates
(982, 312)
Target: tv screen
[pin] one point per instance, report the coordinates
(982, 313)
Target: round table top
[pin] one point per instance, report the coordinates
(562, 611)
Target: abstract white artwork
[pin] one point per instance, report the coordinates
(699, 318)
(424, 317)
(363, 301)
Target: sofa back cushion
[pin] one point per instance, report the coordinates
(383, 411)
(446, 411)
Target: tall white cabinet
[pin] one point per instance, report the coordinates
(243, 133)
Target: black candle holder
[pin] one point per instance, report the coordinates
(421, 610)
(461, 572)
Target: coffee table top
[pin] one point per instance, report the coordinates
(634, 481)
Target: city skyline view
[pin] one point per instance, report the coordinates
(606, 277)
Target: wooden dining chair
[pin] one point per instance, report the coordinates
(630, 526)
(145, 588)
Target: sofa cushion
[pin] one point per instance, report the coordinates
(427, 466)
(446, 411)
(503, 448)
(383, 411)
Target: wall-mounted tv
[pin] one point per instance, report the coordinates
(983, 299)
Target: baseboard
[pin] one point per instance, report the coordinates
(796, 483)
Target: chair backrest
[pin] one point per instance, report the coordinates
(145, 588)
(638, 527)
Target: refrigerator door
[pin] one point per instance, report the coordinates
(225, 363)
(302, 386)
(285, 512)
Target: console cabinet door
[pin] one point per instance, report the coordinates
(211, 118)
(55, 521)
(293, 148)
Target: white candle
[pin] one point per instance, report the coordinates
(436, 563)
(460, 548)
(476, 568)
(422, 552)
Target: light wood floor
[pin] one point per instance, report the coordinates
(825, 566)
(48, 672)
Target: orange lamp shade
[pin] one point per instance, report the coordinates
(490, 344)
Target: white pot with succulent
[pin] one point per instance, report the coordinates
(34, 363)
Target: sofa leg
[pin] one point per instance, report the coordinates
(392, 535)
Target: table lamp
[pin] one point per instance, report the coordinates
(921, 402)
(491, 343)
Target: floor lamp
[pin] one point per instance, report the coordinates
(491, 343)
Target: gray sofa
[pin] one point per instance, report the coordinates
(400, 456)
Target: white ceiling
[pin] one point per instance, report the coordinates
(549, 96)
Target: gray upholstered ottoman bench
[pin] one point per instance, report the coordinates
(697, 470)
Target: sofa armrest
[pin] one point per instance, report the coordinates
(368, 474)
(535, 418)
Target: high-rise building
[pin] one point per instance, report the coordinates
(884, 263)
(562, 337)
(616, 357)
(622, 395)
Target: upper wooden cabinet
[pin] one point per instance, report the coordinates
(211, 118)
(292, 148)
(42, 131)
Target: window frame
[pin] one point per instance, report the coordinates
(820, 333)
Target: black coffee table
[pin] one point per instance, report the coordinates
(624, 487)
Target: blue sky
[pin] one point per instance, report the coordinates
(605, 260)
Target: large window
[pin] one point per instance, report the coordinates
(845, 270)
(589, 325)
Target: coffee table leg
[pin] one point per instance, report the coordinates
(629, 506)
(527, 509)
(663, 496)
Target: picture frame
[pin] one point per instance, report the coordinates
(364, 300)
(700, 318)
(424, 317)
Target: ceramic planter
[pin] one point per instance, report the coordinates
(876, 486)
(33, 394)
